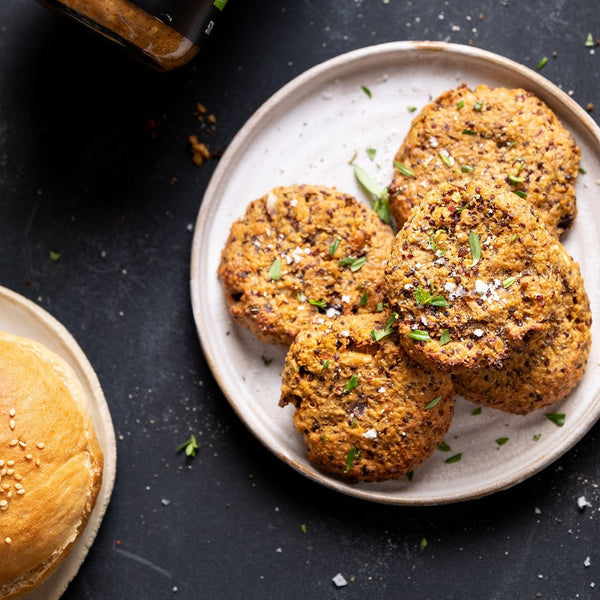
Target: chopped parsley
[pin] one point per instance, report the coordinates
(190, 446)
(364, 299)
(411, 108)
(514, 179)
(379, 200)
(582, 170)
(422, 545)
(419, 335)
(303, 528)
(589, 41)
(467, 168)
(371, 152)
(536, 437)
(320, 304)
(476, 411)
(325, 365)
(460, 104)
(501, 441)
(423, 297)
(444, 447)
(352, 454)
(454, 459)
(469, 132)
(352, 383)
(478, 106)
(355, 264)
(557, 418)
(54, 256)
(366, 90)
(334, 246)
(379, 334)
(433, 403)
(542, 63)
(444, 337)
(446, 158)
(266, 360)
(406, 171)
(508, 282)
(475, 245)
(275, 270)
(519, 193)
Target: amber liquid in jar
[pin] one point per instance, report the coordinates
(165, 34)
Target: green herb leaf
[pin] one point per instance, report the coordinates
(364, 299)
(266, 361)
(519, 193)
(334, 246)
(303, 528)
(54, 256)
(478, 106)
(190, 446)
(371, 152)
(406, 171)
(423, 297)
(475, 245)
(460, 104)
(467, 169)
(443, 447)
(366, 90)
(325, 365)
(433, 402)
(275, 270)
(352, 383)
(454, 458)
(514, 179)
(508, 282)
(379, 200)
(582, 170)
(476, 411)
(422, 545)
(321, 304)
(446, 158)
(355, 264)
(537, 436)
(557, 418)
(419, 335)
(589, 41)
(350, 458)
(379, 334)
(444, 337)
(542, 63)
(469, 132)
(411, 108)
(379, 307)
(501, 441)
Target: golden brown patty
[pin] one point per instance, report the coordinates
(366, 410)
(498, 137)
(475, 273)
(544, 371)
(302, 253)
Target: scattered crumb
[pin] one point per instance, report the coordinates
(339, 580)
(200, 151)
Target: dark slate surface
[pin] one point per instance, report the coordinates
(94, 164)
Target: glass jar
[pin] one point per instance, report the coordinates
(162, 33)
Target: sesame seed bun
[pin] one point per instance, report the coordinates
(50, 463)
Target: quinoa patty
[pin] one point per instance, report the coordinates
(302, 253)
(502, 138)
(366, 410)
(475, 274)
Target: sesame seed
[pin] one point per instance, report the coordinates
(28, 456)
(18, 486)
(18, 477)
(12, 412)
(4, 507)
(22, 443)
(1, 463)
(14, 442)
(8, 540)
(10, 463)
(12, 424)
(9, 494)
(37, 462)
(20, 491)
(3, 503)
(40, 445)
(10, 471)
(6, 486)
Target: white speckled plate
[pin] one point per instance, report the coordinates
(23, 317)
(309, 132)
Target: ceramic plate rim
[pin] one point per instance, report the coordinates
(68, 349)
(227, 162)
